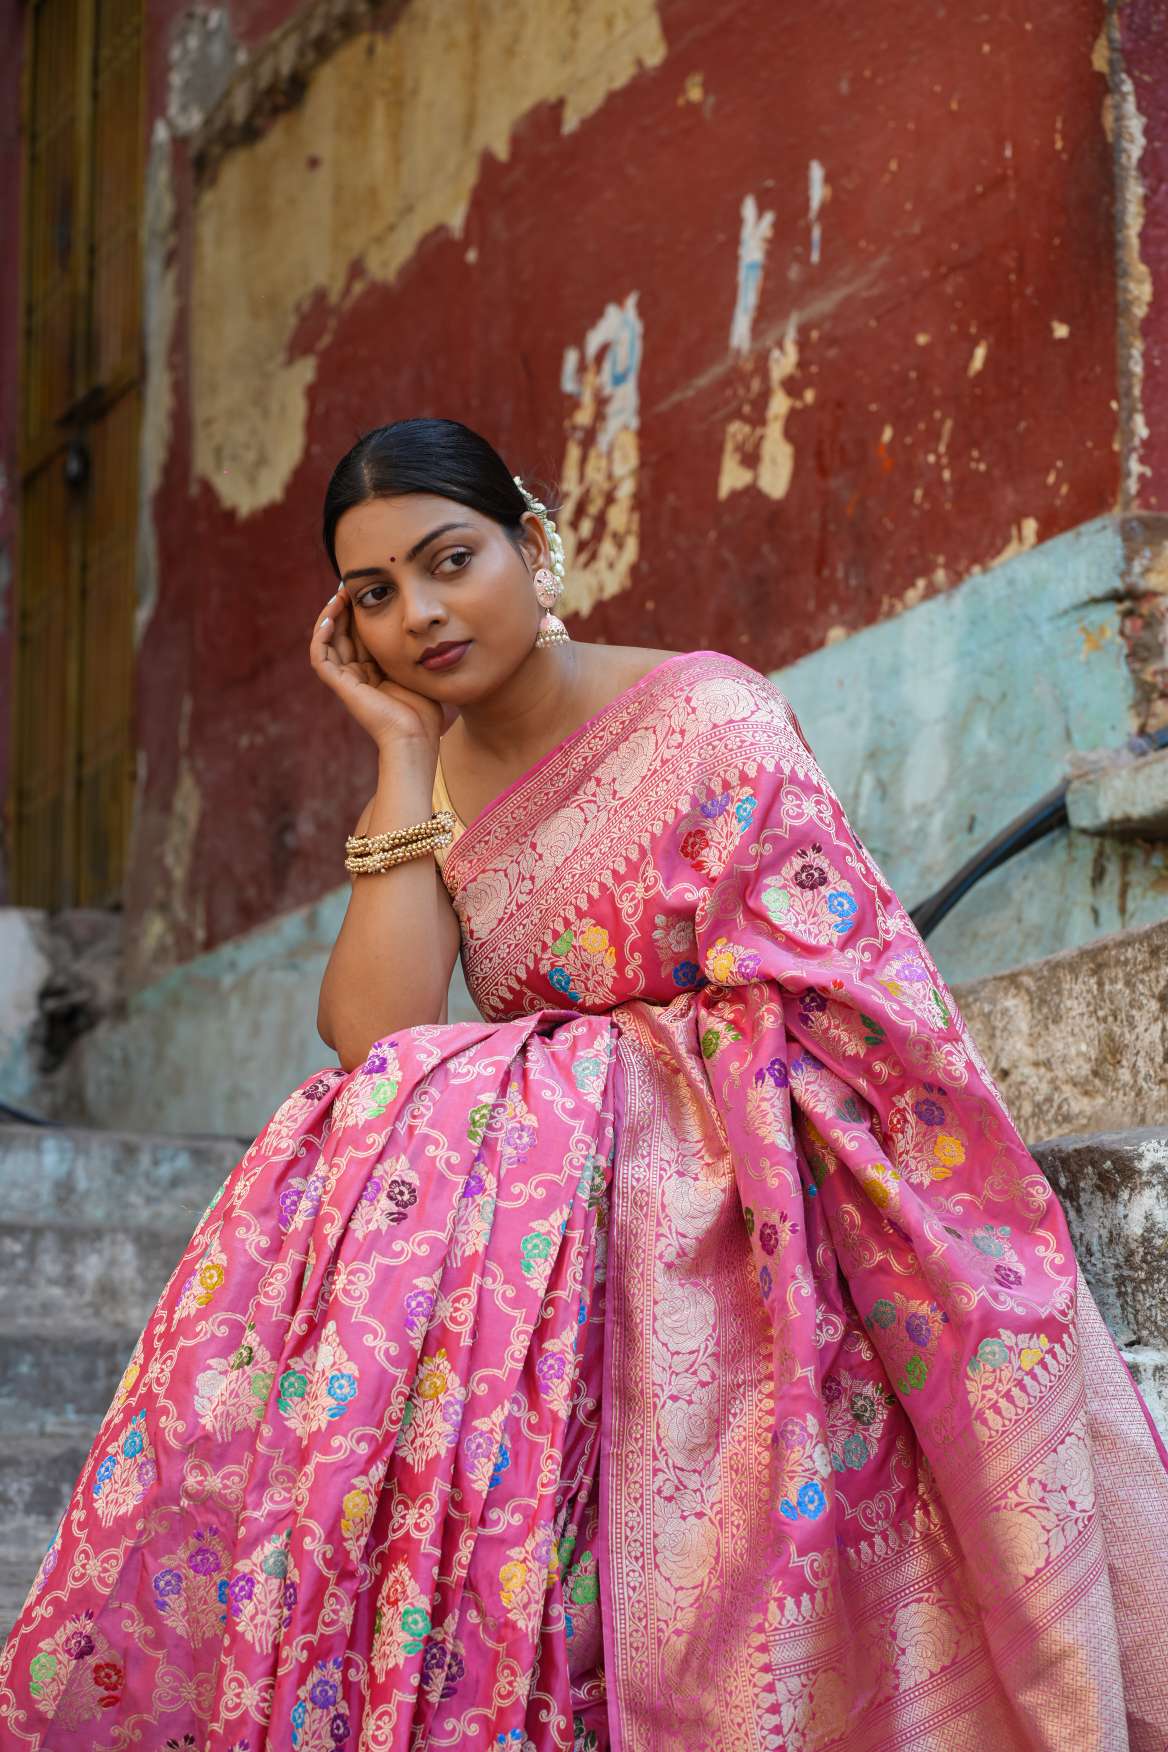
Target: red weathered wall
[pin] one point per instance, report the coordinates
(964, 297)
(969, 219)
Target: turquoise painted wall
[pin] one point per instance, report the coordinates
(939, 725)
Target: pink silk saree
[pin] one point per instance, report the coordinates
(688, 1356)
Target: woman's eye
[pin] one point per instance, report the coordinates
(462, 555)
(369, 597)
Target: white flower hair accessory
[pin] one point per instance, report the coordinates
(548, 582)
(553, 535)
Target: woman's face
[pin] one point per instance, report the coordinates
(423, 571)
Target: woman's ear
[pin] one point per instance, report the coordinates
(533, 541)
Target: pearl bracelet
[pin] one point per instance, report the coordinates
(370, 854)
(373, 861)
(360, 845)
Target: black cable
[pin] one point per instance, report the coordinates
(18, 1116)
(1043, 817)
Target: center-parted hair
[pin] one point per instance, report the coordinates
(442, 457)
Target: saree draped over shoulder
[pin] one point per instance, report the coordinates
(690, 1355)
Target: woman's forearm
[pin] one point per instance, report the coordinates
(391, 964)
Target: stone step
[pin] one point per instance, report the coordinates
(20, 1558)
(1113, 1187)
(37, 1476)
(1079, 1040)
(111, 1179)
(50, 1375)
(1149, 1369)
(37, 1473)
(53, 1273)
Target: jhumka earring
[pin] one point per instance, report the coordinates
(552, 630)
(549, 582)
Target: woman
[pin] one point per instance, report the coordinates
(690, 1354)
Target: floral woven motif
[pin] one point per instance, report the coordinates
(721, 1179)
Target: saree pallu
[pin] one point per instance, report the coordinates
(689, 1356)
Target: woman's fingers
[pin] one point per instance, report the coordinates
(331, 651)
(342, 615)
(359, 644)
(321, 650)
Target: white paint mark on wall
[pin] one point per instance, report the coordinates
(570, 381)
(817, 194)
(600, 520)
(753, 243)
(977, 359)
(1023, 536)
(614, 344)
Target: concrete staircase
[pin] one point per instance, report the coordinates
(93, 1225)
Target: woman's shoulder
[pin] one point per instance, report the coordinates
(619, 666)
(622, 666)
(717, 690)
(721, 693)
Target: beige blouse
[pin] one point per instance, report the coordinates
(441, 800)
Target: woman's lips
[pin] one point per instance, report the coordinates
(448, 658)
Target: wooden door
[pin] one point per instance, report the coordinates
(73, 750)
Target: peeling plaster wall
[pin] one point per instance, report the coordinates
(1139, 119)
(384, 150)
(811, 314)
(1138, 49)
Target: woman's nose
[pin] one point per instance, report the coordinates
(421, 608)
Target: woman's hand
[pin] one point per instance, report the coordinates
(387, 712)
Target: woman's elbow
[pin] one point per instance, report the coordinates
(353, 1046)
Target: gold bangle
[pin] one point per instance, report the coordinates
(373, 863)
(361, 844)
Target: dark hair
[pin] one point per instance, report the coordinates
(423, 456)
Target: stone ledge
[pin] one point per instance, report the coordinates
(1149, 1370)
(106, 1179)
(1078, 1042)
(1129, 799)
(1114, 1190)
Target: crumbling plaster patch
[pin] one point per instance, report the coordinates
(762, 454)
(395, 127)
(154, 944)
(1023, 536)
(159, 312)
(204, 58)
(599, 515)
(1128, 133)
(1145, 617)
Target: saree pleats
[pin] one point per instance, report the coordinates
(330, 1493)
(691, 1355)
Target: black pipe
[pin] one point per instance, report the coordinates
(1043, 817)
(17, 1116)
